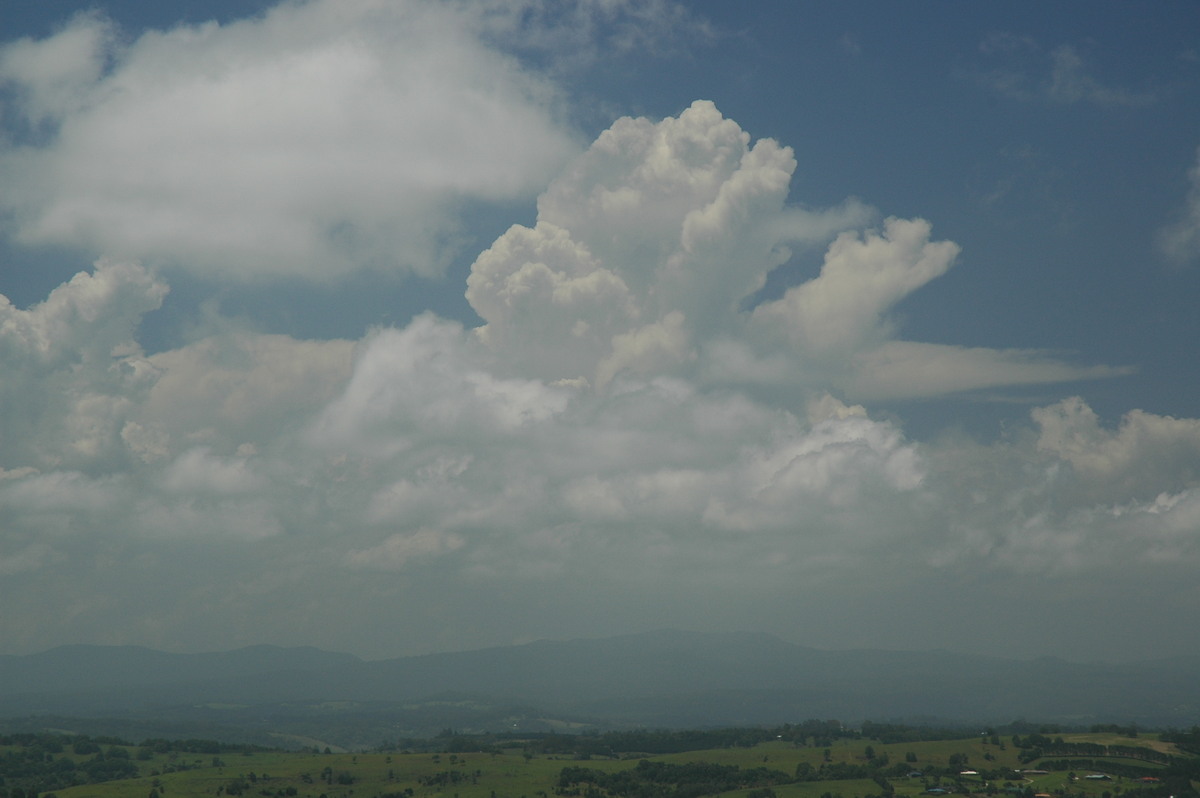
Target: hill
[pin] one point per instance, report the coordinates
(660, 679)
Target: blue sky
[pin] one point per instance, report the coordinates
(403, 327)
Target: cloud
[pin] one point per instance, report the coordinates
(320, 138)
(647, 350)
(1070, 82)
(234, 389)
(648, 243)
(631, 430)
(62, 492)
(52, 76)
(577, 34)
(1061, 76)
(398, 550)
(199, 471)
(1146, 455)
(72, 369)
(1138, 540)
(424, 381)
(907, 370)
(1180, 240)
(850, 45)
(30, 558)
(842, 309)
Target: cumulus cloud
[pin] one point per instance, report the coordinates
(398, 550)
(199, 471)
(658, 227)
(52, 76)
(649, 246)
(1145, 455)
(604, 437)
(428, 379)
(235, 389)
(1101, 540)
(320, 138)
(841, 310)
(72, 369)
(1180, 240)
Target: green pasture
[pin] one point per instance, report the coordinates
(513, 774)
(1147, 740)
(481, 776)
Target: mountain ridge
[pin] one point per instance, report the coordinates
(664, 678)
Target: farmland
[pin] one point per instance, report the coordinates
(777, 763)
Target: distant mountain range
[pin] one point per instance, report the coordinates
(657, 679)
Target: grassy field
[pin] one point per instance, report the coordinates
(514, 774)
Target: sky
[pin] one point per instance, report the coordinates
(415, 326)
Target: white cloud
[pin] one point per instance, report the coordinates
(1060, 76)
(605, 438)
(422, 382)
(549, 302)
(1100, 541)
(576, 34)
(320, 138)
(72, 368)
(842, 310)
(647, 350)
(649, 241)
(906, 370)
(1070, 82)
(234, 388)
(199, 471)
(197, 519)
(1180, 240)
(1146, 455)
(397, 551)
(648, 246)
(55, 74)
(61, 492)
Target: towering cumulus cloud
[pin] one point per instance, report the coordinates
(647, 249)
(636, 434)
(72, 370)
(621, 271)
